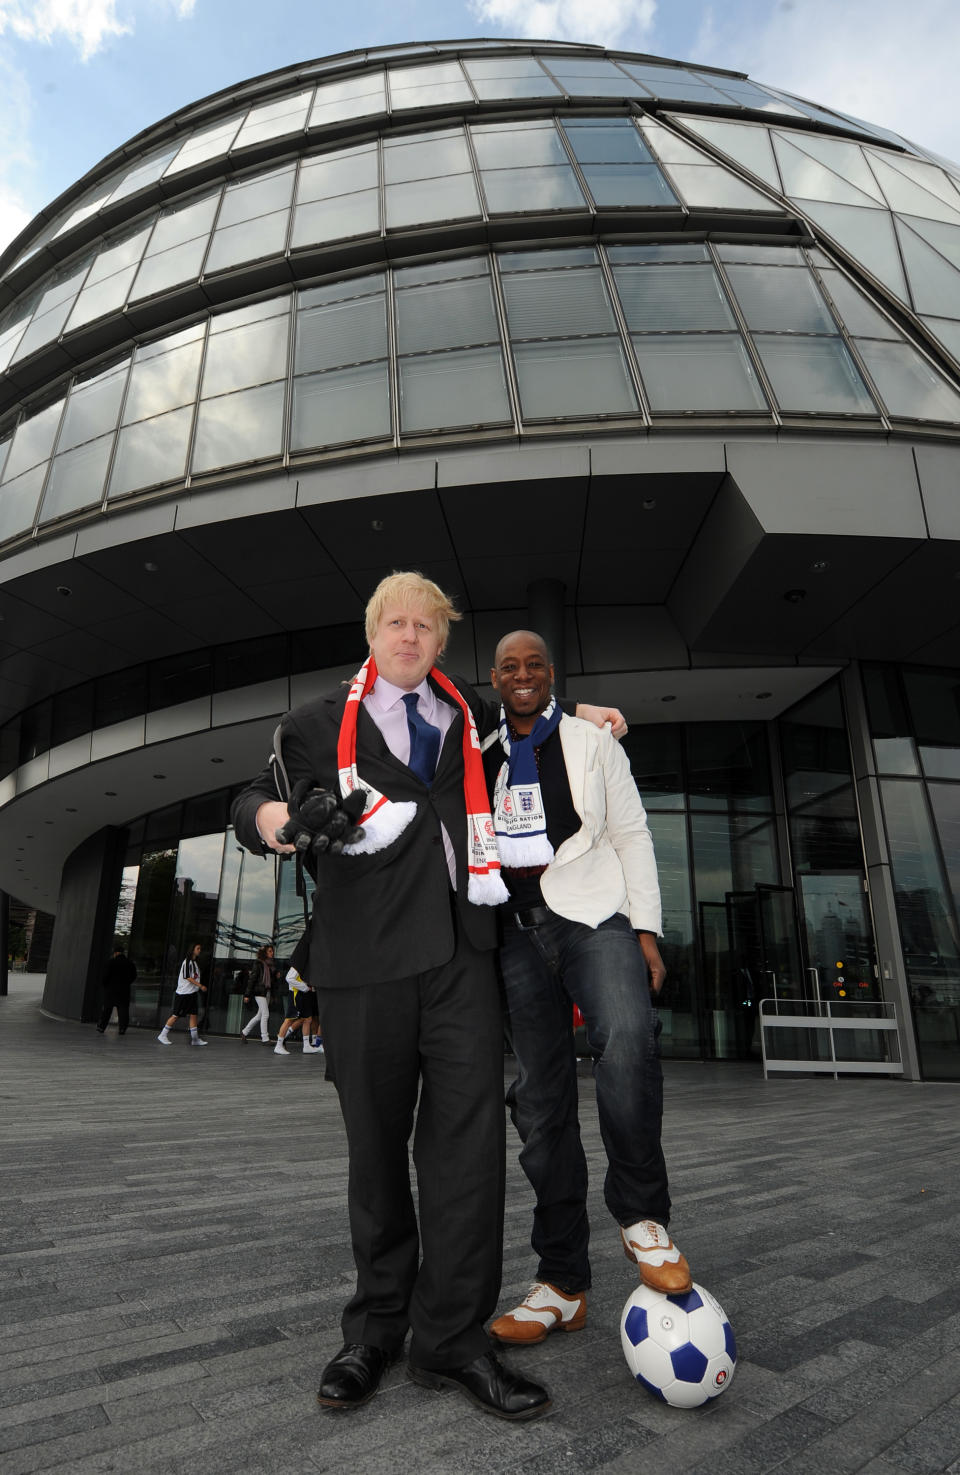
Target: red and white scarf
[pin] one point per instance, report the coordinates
(383, 820)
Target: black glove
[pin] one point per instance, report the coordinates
(320, 821)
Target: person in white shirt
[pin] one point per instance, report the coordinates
(186, 998)
(580, 927)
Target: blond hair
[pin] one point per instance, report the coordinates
(407, 589)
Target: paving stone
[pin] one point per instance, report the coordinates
(145, 1337)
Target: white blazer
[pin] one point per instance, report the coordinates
(608, 865)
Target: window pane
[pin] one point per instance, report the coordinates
(106, 296)
(18, 502)
(672, 298)
(151, 452)
(336, 219)
(731, 853)
(553, 304)
(448, 198)
(609, 142)
(697, 372)
(352, 97)
(446, 315)
(495, 87)
(176, 226)
(439, 154)
(93, 407)
(859, 316)
(76, 478)
(628, 255)
(507, 145)
(778, 298)
(273, 119)
(239, 427)
(577, 377)
(908, 384)
(515, 190)
(453, 389)
(341, 173)
(480, 68)
(208, 144)
(33, 441)
(715, 189)
(162, 382)
(628, 184)
(348, 332)
(254, 354)
(346, 405)
(255, 197)
(115, 256)
(158, 273)
(265, 236)
(815, 374)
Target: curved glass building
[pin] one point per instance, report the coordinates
(659, 359)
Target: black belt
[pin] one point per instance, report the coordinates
(531, 917)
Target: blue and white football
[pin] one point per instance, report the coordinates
(680, 1347)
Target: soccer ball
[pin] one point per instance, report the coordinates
(680, 1347)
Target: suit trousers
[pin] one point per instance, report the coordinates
(437, 1036)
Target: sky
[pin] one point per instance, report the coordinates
(78, 78)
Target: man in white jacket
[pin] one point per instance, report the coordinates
(581, 928)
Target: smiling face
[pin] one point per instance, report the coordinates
(523, 676)
(406, 644)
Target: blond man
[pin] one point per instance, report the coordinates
(402, 943)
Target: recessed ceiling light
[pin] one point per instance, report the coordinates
(65, 590)
(668, 699)
(648, 504)
(159, 775)
(377, 525)
(152, 568)
(762, 695)
(68, 810)
(110, 793)
(820, 566)
(795, 596)
(216, 760)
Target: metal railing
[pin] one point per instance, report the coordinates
(789, 1014)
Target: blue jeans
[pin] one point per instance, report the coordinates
(545, 971)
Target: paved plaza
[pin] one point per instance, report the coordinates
(174, 1258)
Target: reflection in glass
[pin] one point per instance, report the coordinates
(341, 406)
(517, 190)
(254, 354)
(265, 236)
(162, 381)
(159, 273)
(628, 184)
(424, 157)
(577, 377)
(445, 315)
(33, 441)
(731, 853)
(351, 97)
(698, 372)
(816, 375)
(783, 299)
(448, 198)
(709, 188)
(336, 219)
(76, 478)
(246, 426)
(18, 501)
(517, 145)
(673, 299)
(93, 407)
(860, 317)
(908, 385)
(151, 452)
(445, 389)
(341, 333)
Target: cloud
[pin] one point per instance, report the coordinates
(15, 155)
(872, 58)
(87, 25)
(604, 22)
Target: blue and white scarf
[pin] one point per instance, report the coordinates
(518, 816)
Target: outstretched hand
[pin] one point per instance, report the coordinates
(320, 821)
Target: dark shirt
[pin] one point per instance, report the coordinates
(562, 819)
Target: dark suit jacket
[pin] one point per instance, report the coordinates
(390, 914)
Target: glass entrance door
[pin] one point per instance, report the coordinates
(751, 953)
(838, 937)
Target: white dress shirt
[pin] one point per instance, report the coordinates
(384, 702)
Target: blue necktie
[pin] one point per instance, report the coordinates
(424, 741)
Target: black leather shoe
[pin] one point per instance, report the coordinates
(491, 1386)
(353, 1376)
